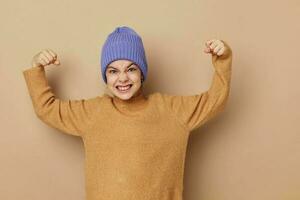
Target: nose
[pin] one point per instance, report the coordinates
(123, 77)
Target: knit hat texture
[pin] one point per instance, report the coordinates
(123, 43)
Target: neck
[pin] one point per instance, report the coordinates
(136, 102)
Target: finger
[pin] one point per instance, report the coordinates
(207, 50)
(42, 61)
(44, 57)
(52, 53)
(49, 56)
(208, 43)
(217, 49)
(214, 44)
(208, 46)
(222, 48)
(56, 61)
(221, 52)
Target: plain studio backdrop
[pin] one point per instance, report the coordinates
(249, 152)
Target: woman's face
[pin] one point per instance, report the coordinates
(124, 73)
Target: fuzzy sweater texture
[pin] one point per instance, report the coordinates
(134, 149)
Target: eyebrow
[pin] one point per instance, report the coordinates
(116, 68)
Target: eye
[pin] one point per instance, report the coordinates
(111, 71)
(132, 69)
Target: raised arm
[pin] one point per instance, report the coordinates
(195, 110)
(69, 116)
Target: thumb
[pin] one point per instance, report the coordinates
(207, 50)
(57, 62)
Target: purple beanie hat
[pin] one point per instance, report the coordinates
(123, 43)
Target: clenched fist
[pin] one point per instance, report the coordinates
(215, 46)
(45, 57)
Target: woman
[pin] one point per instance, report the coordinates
(134, 143)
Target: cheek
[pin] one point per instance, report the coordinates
(135, 77)
(111, 79)
(110, 82)
(110, 86)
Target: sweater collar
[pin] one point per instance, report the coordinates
(135, 103)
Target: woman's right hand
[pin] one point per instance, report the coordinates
(44, 58)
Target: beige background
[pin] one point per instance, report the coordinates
(249, 152)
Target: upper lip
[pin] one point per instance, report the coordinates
(123, 85)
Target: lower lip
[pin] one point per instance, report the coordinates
(124, 91)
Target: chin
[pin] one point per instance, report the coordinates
(124, 96)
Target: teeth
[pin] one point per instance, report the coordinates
(123, 88)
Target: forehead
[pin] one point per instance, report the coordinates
(119, 64)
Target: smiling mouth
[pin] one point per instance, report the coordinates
(124, 88)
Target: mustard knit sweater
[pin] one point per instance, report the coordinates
(135, 149)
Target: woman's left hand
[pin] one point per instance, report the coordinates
(214, 46)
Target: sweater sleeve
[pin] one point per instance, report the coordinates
(195, 110)
(69, 116)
